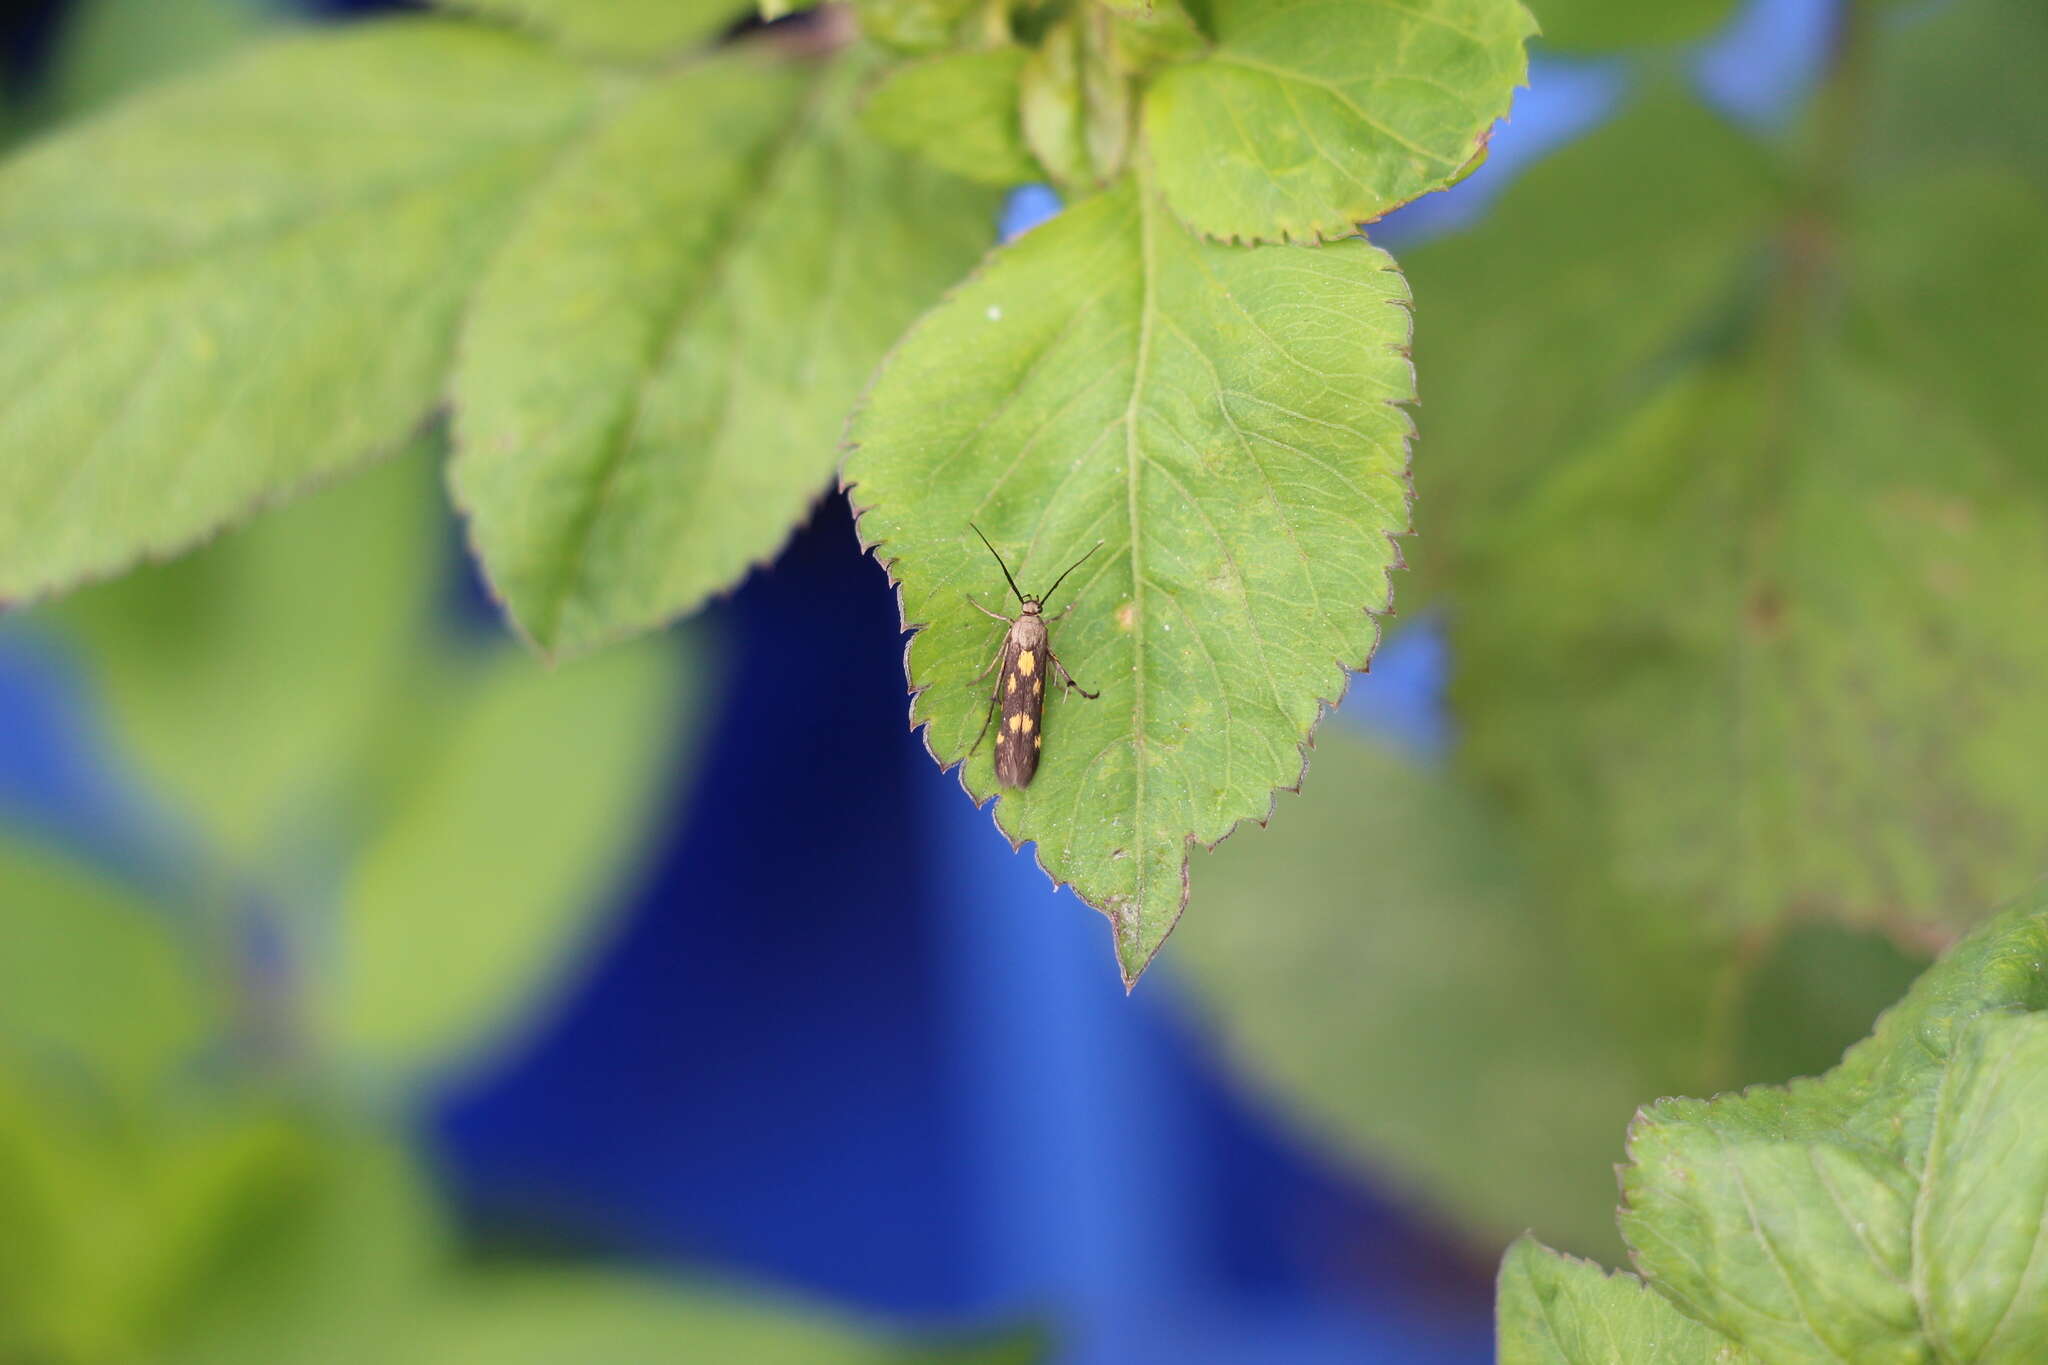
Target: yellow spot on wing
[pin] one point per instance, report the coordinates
(1027, 663)
(1037, 686)
(1013, 682)
(1016, 719)
(1038, 741)
(1023, 717)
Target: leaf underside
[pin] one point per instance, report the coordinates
(234, 286)
(1227, 422)
(657, 369)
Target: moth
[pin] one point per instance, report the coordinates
(1021, 667)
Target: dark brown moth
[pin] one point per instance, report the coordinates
(1021, 667)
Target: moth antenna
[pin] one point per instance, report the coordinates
(1063, 577)
(1004, 567)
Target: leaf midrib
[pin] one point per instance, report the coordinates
(775, 159)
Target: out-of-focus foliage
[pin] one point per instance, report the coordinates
(173, 1193)
(1888, 1210)
(632, 30)
(1384, 966)
(409, 802)
(1599, 25)
(393, 846)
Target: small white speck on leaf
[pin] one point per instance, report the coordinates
(995, 314)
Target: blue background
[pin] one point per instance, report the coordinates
(897, 1072)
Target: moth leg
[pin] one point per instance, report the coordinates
(1068, 678)
(984, 610)
(986, 671)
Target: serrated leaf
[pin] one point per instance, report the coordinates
(1556, 1310)
(509, 833)
(959, 112)
(626, 29)
(1464, 1001)
(245, 682)
(1888, 1211)
(1310, 118)
(1603, 25)
(238, 284)
(657, 369)
(1226, 421)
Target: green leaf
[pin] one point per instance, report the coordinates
(92, 983)
(111, 47)
(1890, 1210)
(548, 1316)
(1555, 1310)
(657, 368)
(238, 284)
(245, 682)
(917, 26)
(1752, 655)
(1077, 107)
(1310, 118)
(1952, 87)
(1227, 422)
(510, 831)
(1602, 25)
(959, 112)
(1635, 287)
(1412, 1044)
(630, 30)
(319, 1261)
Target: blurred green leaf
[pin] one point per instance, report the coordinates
(1310, 118)
(1602, 25)
(626, 29)
(958, 111)
(1955, 85)
(1376, 959)
(247, 681)
(917, 26)
(546, 1317)
(267, 263)
(658, 367)
(1077, 108)
(1889, 1210)
(92, 983)
(1635, 286)
(1556, 1310)
(324, 1263)
(1838, 720)
(108, 48)
(1228, 421)
(512, 827)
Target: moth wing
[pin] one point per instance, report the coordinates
(1020, 692)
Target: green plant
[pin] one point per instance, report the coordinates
(649, 274)
(1890, 1210)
